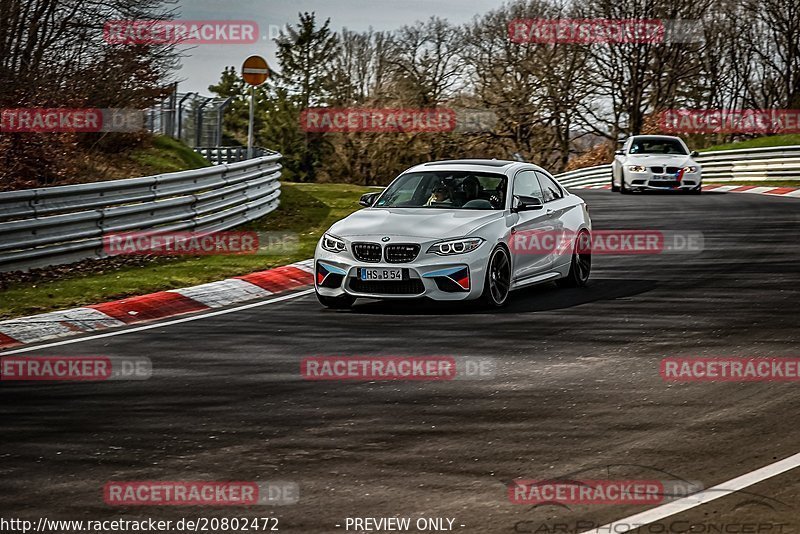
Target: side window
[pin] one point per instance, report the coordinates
(526, 184)
(549, 187)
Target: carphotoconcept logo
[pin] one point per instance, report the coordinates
(74, 368)
(200, 243)
(369, 368)
(759, 511)
(730, 369)
(200, 493)
(605, 242)
(62, 120)
(190, 32)
(761, 121)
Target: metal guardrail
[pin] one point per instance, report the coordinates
(220, 155)
(57, 225)
(587, 176)
(757, 164)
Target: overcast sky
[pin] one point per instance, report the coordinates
(205, 62)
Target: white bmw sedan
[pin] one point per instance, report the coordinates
(456, 230)
(655, 162)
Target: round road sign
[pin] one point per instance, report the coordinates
(255, 70)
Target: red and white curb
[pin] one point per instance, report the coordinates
(145, 308)
(758, 190)
(719, 188)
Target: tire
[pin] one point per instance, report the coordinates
(336, 303)
(580, 266)
(614, 188)
(622, 189)
(497, 284)
(697, 191)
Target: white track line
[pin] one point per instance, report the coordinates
(159, 325)
(720, 490)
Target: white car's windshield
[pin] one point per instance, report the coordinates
(447, 190)
(656, 145)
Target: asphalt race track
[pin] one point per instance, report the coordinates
(577, 393)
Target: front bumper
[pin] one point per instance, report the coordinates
(663, 182)
(448, 278)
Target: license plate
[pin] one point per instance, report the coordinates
(365, 273)
(662, 177)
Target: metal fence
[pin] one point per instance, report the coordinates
(57, 225)
(756, 164)
(194, 119)
(219, 155)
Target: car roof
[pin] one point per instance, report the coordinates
(476, 165)
(645, 136)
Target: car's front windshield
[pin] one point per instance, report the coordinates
(657, 145)
(446, 190)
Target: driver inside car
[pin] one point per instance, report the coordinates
(440, 195)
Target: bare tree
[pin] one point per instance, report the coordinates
(53, 54)
(426, 60)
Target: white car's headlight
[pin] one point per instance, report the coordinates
(690, 169)
(456, 246)
(637, 168)
(333, 244)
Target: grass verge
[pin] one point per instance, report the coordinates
(157, 154)
(306, 209)
(167, 155)
(759, 142)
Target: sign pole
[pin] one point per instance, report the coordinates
(255, 71)
(250, 133)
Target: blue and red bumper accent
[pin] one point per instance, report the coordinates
(451, 279)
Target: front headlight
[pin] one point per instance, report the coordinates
(456, 246)
(636, 168)
(333, 244)
(690, 169)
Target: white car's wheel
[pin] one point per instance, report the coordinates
(581, 265)
(498, 278)
(622, 187)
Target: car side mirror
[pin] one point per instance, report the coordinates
(694, 153)
(619, 152)
(525, 203)
(368, 199)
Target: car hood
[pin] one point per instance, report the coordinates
(425, 223)
(676, 160)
